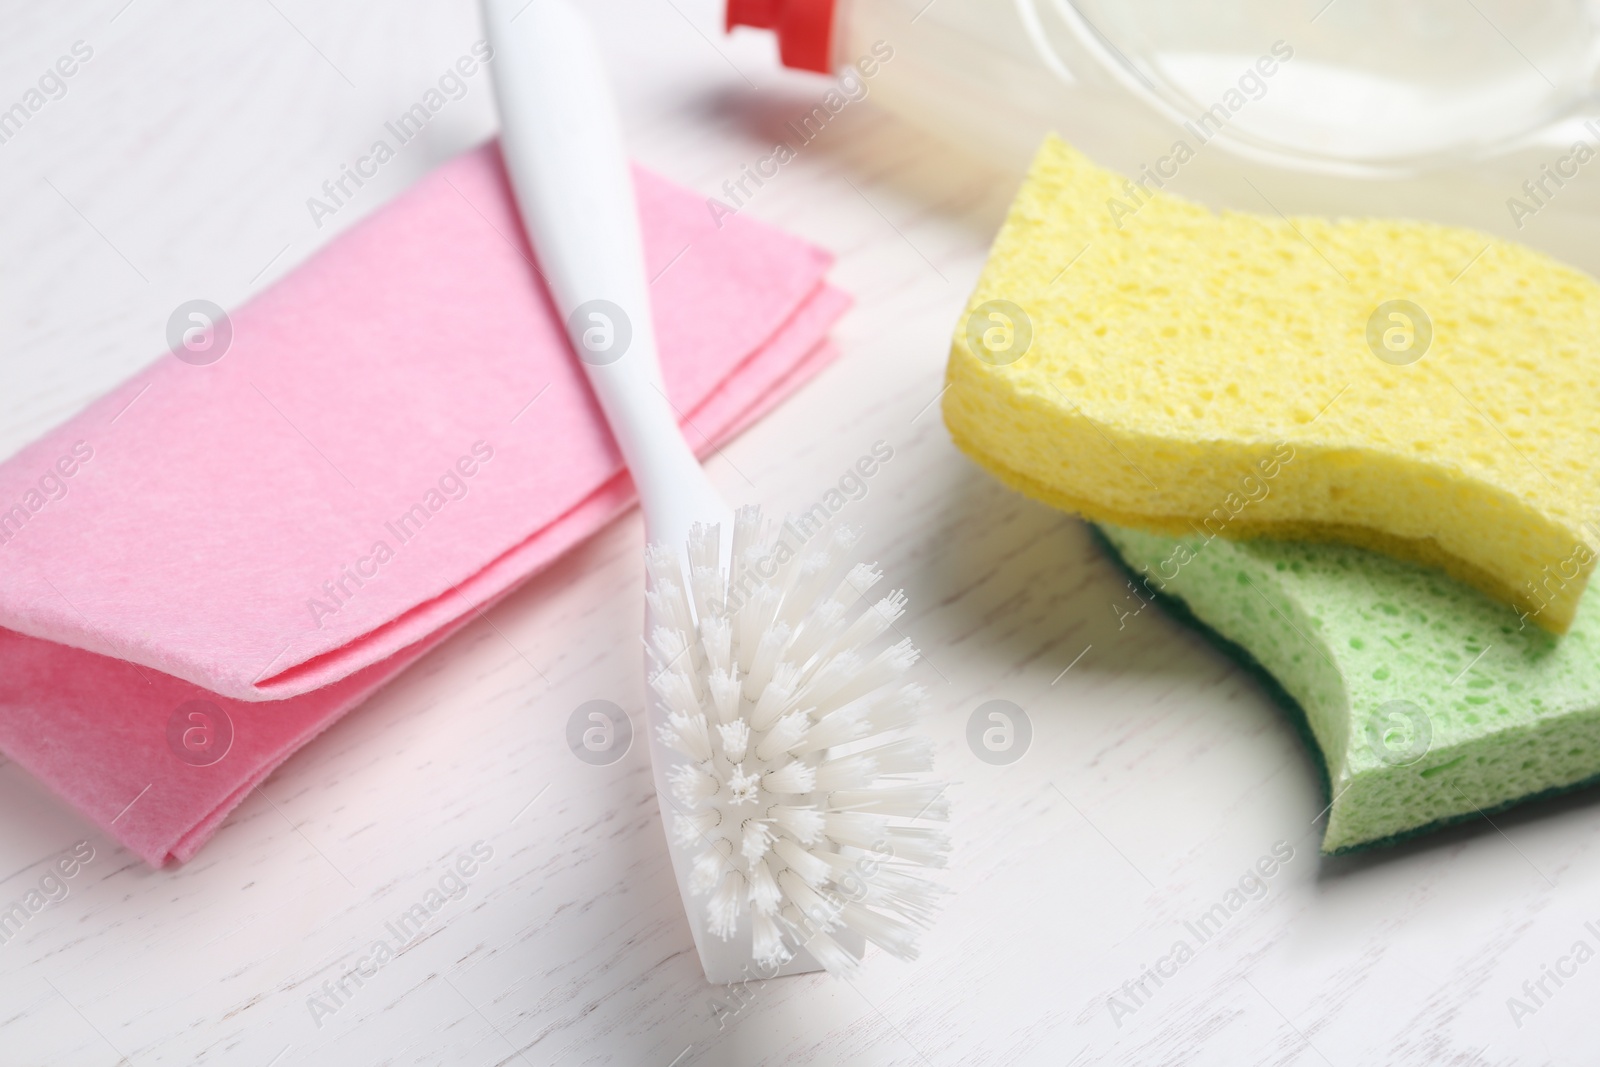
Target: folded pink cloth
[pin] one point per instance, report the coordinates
(397, 436)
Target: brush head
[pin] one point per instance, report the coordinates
(790, 775)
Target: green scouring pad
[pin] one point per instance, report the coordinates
(1430, 702)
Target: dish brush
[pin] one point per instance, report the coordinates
(782, 737)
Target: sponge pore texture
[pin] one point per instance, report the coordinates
(1430, 702)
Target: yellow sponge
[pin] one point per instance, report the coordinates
(1420, 389)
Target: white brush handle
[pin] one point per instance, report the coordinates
(563, 145)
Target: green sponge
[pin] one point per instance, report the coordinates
(1430, 702)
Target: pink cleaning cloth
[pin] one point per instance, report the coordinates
(215, 561)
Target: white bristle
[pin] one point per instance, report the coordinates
(835, 729)
(874, 622)
(708, 868)
(904, 755)
(812, 869)
(704, 540)
(716, 637)
(803, 824)
(695, 827)
(860, 580)
(691, 785)
(832, 955)
(735, 737)
(847, 772)
(785, 734)
(819, 911)
(776, 697)
(662, 566)
(668, 646)
(863, 678)
(832, 677)
(758, 840)
(762, 673)
(919, 800)
(814, 571)
(896, 936)
(765, 896)
(855, 828)
(766, 942)
(751, 604)
(900, 708)
(675, 687)
(852, 722)
(769, 645)
(688, 734)
(667, 582)
(744, 787)
(668, 735)
(746, 528)
(666, 607)
(791, 778)
(705, 577)
(706, 585)
(919, 845)
(821, 628)
(724, 693)
(727, 904)
(874, 714)
(914, 897)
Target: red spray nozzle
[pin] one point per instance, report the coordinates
(804, 28)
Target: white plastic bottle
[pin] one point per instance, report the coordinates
(1484, 114)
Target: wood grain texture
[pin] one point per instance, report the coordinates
(178, 165)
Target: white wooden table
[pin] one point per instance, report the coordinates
(178, 164)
